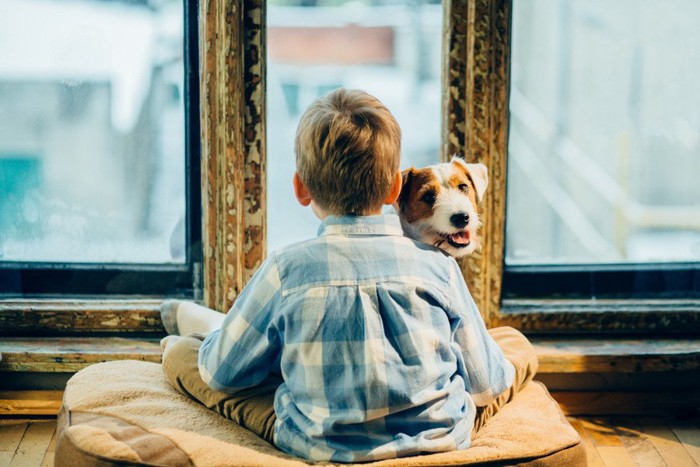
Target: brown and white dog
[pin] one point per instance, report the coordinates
(438, 205)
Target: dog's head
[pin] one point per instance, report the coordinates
(438, 205)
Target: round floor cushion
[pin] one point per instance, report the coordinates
(126, 413)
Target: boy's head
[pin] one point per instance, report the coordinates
(347, 148)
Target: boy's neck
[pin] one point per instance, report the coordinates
(322, 214)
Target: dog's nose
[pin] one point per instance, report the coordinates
(460, 219)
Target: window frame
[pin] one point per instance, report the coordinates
(24, 280)
(230, 189)
(232, 77)
(482, 90)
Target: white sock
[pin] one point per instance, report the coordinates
(183, 318)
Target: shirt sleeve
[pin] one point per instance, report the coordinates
(246, 349)
(487, 371)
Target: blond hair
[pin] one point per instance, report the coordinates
(347, 149)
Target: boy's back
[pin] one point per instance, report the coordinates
(377, 338)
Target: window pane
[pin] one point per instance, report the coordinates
(390, 49)
(92, 136)
(604, 150)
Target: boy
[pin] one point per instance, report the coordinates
(370, 341)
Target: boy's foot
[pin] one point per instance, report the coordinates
(181, 318)
(168, 315)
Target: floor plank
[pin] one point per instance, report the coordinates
(11, 432)
(50, 452)
(616, 456)
(636, 443)
(666, 443)
(48, 459)
(34, 444)
(594, 459)
(601, 434)
(688, 434)
(52, 444)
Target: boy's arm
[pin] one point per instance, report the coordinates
(487, 370)
(245, 350)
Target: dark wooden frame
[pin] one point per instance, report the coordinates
(603, 281)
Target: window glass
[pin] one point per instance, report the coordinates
(391, 49)
(604, 139)
(92, 133)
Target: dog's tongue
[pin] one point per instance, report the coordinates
(461, 238)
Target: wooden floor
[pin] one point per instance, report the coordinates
(27, 443)
(641, 441)
(609, 441)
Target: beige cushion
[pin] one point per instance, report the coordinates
(126, 413)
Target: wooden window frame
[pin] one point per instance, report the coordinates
(478, 67)
(82, 303)
(232, 38)
(110, 279)
(232, 44)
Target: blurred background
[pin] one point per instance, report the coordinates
(604, 153)
(92, 153)
(388, 48)
(604, 144)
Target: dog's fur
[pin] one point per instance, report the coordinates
(438, 205)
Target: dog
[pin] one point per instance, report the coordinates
(438, 205)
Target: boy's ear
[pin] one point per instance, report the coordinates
(395, 189)
(300, 191)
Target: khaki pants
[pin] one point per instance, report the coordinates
(253, 408)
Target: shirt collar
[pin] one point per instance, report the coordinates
(383, 224)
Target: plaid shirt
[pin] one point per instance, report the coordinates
(381, 347)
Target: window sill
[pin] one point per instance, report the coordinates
(556, 355)
(31, 317)
(72, 354)
(622, 355)
(604, 316)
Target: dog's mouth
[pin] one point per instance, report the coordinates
(459, 239)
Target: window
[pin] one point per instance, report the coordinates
(475, 115)
(603, 150)
(569, 100)
(391, 49)
(99, 152)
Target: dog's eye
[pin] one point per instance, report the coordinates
(463, 187)
(429, 197)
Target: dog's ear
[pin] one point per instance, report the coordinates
(480, 177)
(407, 177)
(479, 174)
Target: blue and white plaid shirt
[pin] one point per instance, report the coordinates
(381, 347)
